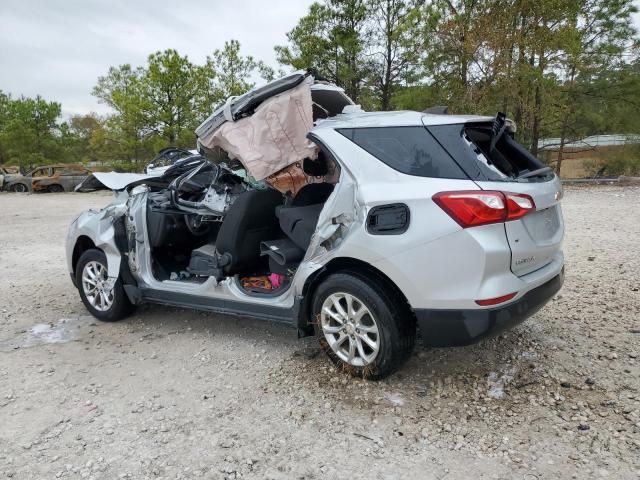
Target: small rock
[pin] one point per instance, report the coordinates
(583, 427)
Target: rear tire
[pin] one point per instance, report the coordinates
(365, 329)
(18, 188)
(106, 305)
(55, 188)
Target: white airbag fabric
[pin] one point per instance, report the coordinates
(274, 137)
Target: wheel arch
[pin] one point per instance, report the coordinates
(83, 243)
(54, 186)
(12, 185)
(353, 266)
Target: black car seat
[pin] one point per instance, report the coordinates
(314, 193)
(299, 223)
(299, 219)
(250, 220)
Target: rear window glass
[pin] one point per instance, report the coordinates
(410, 150)
(470, 145)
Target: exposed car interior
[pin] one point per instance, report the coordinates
(497, 148)
(208, 217)
(212, 222)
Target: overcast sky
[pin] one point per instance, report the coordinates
(58, 48)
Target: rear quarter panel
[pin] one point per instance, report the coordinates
(435, 262)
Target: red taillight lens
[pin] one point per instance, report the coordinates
(519, 205)
(480, 207)
(497, 300)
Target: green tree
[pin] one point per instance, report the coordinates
(332, 39)
(394, 46)
(170, 90)
(162, 103)
(77, 135)
(602, 35)
(229, 73)
(30, 132)
(5, 105)
(127, 129)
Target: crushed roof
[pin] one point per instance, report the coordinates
(361, 119)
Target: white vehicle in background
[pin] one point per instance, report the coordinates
(404, 219)
(167, 157)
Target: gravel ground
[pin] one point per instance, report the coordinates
(173, 393)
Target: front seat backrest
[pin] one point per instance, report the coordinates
(250, 220)
(312, 194)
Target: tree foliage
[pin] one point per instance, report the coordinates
(557, 67)
(29, 131)
(162, 103)
(331, 39)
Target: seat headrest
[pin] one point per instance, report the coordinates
(317, 167)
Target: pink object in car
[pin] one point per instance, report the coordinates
(276, 280)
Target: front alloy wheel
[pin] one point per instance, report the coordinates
(96, 286)
(350, 329)
(105, 299)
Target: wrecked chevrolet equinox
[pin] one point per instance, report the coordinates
(360, 228)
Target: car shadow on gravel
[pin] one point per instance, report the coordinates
(490, 368)
(494, 369)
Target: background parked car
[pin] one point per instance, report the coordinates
(6, 172)
(50, 178)
(62, 178)
(167, 157)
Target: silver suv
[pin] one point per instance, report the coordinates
(407, 222)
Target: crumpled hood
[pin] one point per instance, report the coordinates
(112, 181)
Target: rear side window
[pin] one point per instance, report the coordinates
(410, 150)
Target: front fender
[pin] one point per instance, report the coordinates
(98, 225)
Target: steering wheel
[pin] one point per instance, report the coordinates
(196, 225)
(189, 189)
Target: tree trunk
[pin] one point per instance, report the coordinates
(537, 112)
(386, 84)
(565, 120)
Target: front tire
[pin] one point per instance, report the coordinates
(363, 328)
(108, 305)
(18, 188)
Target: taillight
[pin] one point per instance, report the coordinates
(481, 207)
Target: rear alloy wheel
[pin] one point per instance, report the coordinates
(18, 188)
(362, 327)
(350, 329)
(55, 188)
(104, 299)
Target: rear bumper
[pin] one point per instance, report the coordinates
(452, 328)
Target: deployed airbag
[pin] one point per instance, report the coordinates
(274, 137)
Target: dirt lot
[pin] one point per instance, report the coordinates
(172, 393)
